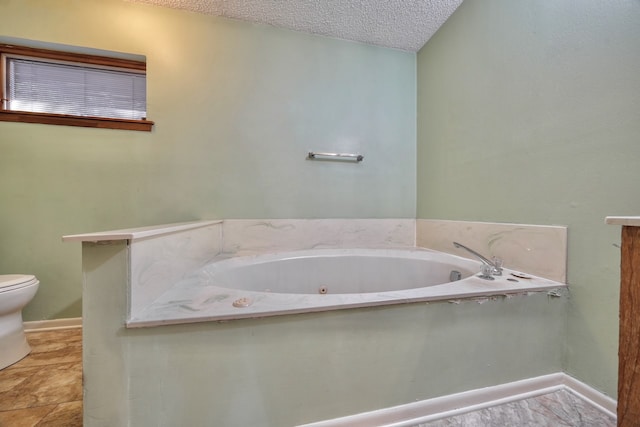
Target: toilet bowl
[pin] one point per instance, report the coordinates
(16, 290)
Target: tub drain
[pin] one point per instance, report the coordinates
(242, 302)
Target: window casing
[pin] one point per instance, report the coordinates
(52, 87)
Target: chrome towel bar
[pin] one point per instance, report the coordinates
(341, 156)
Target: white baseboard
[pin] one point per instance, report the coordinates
(49, 325)
(594, 397)
(446, 406)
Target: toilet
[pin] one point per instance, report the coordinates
(16, 290)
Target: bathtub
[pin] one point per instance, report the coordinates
(347, 358)
(314, 280)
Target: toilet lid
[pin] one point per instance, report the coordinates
(16, 281)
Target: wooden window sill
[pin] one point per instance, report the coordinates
(65, 120)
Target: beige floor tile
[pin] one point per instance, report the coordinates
(65, 414)
(44, 385)
(13, 377)
(29, 417)
(51, 347)
(45, 388)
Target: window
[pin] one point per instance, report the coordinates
(62, 88)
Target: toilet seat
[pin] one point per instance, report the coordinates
(10, 282)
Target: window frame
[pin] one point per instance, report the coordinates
(64, 119)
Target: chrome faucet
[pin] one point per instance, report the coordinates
(494, 267)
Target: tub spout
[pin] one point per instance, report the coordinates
(496, 268)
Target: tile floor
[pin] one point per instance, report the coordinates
(45, 388)
(558, 409)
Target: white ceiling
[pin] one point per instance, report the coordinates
(399, 24)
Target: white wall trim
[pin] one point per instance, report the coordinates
(459, 403)
(49, 325)
(591, 395)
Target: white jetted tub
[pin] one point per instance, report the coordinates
(326, 279)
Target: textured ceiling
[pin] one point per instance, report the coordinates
(400, 24)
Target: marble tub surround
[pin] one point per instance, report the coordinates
(242, 237)
(160, 256)
(163, 255)
(158, 263)
(137, 233)
(167, 287)
(535, 249)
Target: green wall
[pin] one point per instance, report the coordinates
(237, 107)
(528, 112)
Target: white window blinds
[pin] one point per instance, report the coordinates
(39, 86)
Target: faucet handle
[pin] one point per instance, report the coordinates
(486, 272)
(497, 266)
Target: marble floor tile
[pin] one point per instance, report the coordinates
(558, 409)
